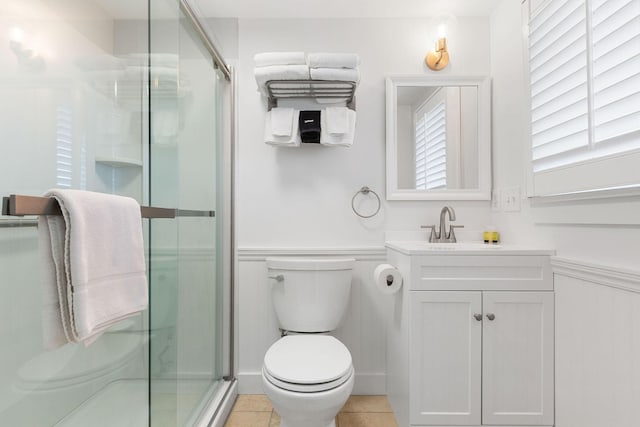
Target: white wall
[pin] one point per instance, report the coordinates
(301, 197)
(597, 346)
(596, 324)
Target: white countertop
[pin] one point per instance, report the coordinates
(417, 247)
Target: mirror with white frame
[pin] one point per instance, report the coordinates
(438, 138)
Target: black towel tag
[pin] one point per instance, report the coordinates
(309, 124)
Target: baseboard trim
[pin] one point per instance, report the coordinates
(373, 253)
(628, 280)
(367, 384)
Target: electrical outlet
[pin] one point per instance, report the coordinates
(496, 205)
(511, 199)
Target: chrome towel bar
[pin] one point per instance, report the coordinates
(18, 223)
(17, 205)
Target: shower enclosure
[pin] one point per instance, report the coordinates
(130, 98)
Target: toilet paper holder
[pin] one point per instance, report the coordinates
(387, 278)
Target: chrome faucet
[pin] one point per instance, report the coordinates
(442, 236)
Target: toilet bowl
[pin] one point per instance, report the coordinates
(308, 378)
(307, 374)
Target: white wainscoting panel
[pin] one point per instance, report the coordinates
(597, 345)
(362, 331)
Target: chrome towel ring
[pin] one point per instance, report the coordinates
(365, 191)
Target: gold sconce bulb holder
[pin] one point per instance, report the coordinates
(438, 59)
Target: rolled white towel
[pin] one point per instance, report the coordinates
(342, 140)
(292, 140)
(266, 59)
(339, 74)
(280, 72)
(333, 60)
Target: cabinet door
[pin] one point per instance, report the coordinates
(444, 358)
(517, 347)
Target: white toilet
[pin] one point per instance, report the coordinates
(307, 374)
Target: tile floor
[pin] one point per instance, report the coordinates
(254, 410)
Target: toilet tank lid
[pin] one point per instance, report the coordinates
(301, 263)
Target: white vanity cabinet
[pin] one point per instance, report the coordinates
(470, 338)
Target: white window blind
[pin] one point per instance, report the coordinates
(584, 58)
(431, 148)
(616, 68)
(436, 154)
(421, 149)
(558, 67)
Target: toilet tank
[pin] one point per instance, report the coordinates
(310, 294)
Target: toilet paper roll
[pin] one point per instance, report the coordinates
(388, 279)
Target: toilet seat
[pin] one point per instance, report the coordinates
(307, 363)
(307, 388)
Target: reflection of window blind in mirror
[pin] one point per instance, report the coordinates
(431, 149)
(584, 60)
(64, 148)
(421, 148)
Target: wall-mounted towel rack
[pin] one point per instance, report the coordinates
(17, 205)
(317, 89)
(20, 223)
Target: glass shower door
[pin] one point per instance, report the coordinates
(185, 254)
(71, 116)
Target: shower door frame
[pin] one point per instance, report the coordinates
(220, 402)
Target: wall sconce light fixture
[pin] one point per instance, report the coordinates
(438, 59)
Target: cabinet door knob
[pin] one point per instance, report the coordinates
(491, 316)
(478, 316)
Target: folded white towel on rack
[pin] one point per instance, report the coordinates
(344, 139)
(337, 119)
(94, 265)
(333, 60)
(279, 72)
(281, 121)
(266, 59)
(293, 140)
(338, 74)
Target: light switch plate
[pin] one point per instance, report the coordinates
(511, 199)
(496, 204)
